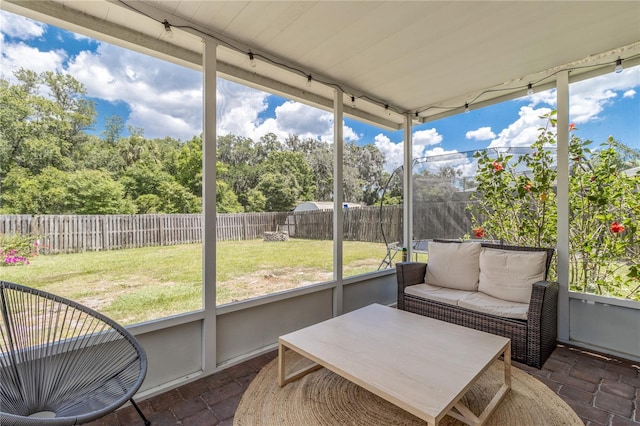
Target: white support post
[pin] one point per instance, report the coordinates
(562, 84)
(338, 200)
(407, 193)
(209, 75)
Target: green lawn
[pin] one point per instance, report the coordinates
(137, 285)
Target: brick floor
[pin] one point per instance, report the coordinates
(601, 389)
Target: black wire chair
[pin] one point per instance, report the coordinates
(62, 363)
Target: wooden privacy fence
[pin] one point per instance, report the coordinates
(449, 220)
(77, 233)
(360, 224)
(246, 226)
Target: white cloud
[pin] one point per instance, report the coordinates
(424, 138)
(586, 106)
(164, 99)
(305, 121)
(588, 98)
(438, 151)
(163, 124)
(16, 26)
(349, 134)
(294, 118)
(393, 152)
(547, 97)
(19, 55)
(524, 131)
(481, 134)
(238, 109)
(14, 30)
(81, 37)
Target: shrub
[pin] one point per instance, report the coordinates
(604, 209)
(17, 249)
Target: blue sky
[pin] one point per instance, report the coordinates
(165, 100)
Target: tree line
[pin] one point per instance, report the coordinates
(50, 164)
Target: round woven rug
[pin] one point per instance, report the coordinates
(324, 398)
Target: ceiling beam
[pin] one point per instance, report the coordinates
(57, 14)
(73, 20)
(591, 67)
(269, 58)
(241, 76)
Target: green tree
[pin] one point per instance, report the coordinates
(54, 191)
(96, 154)
(267, 144)
(234, 150)
(24, 193)
(391, 193)
(14, 124)
(70, 112)
(165, 152)
(320, 159)
(256, 201)
(368, 162)
(131, 148)
(143, 178)
(295, 168)
(148, 204)
(242, 162)
(436, 187)
(42, 120)
(226, 200)
(188, 165)
(176, 199)
(113, 128)
(38, 153)
(95, 192)
(147, 178)
(280, 191)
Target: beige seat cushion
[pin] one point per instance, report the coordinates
(438, 294)
(420, 289)
(486, 304)
(509, 275)
(454, 265)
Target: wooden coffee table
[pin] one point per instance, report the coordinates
(420, 364)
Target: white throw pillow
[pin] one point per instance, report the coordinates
(454, 265)
(510, 275)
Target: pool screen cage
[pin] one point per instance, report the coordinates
(443, 196)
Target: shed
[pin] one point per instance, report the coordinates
(321, 205)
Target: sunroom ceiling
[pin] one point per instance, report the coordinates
(420, 56)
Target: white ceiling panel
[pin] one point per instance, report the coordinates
(260, 26)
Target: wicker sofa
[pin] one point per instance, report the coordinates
(532, 339)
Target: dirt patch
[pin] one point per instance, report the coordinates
(258, 283)
(105, 292)
(263, 282)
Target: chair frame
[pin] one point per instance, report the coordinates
(49, 348)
